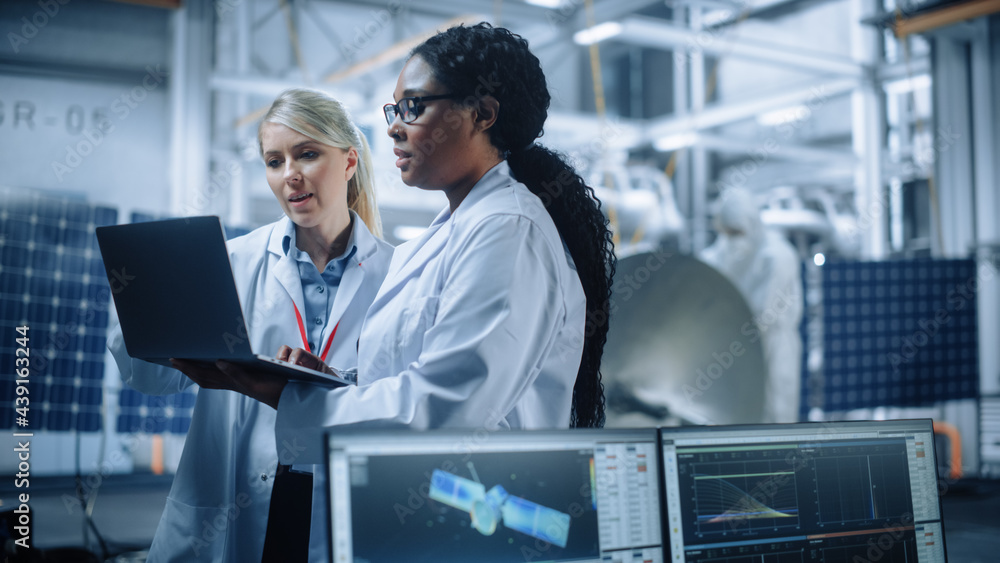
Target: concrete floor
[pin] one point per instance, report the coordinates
(972, 521)
(129, 507)
(126, 512)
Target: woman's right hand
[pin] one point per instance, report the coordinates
(301, 357)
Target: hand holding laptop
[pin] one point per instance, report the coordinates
(260, 385)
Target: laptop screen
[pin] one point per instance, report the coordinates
(845, 491)
(454, 496)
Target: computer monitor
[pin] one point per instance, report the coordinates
(495, 497)
(840, 491)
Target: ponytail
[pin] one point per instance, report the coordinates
(460, 58)
(361, 188)
(577, 215)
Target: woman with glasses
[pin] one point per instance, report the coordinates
(306, 278)
(496, 316)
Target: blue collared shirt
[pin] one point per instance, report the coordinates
(318, 288)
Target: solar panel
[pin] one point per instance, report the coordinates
(899, 333)
(155, 414)
(52, 281)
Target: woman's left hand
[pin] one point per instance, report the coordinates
(261, 386)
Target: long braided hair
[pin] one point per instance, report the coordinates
(482, 60)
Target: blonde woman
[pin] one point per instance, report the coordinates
(306, 279)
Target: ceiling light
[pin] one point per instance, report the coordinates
(782, 116)
(675, 142)
(910, 84)
(551, 4)
(598, 33)
(716, 17)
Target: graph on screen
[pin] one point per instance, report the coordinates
(744, 495)
(862, 487)
(817, 492)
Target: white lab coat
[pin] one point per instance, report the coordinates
(479, 324)
(218, 504)
(766, 269)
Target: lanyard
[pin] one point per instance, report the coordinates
(305, 341)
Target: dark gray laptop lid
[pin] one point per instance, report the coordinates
(174, 290)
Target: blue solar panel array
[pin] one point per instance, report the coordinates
(154, 414)
(899, 333)
(52, 280)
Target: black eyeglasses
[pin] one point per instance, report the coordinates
(409, 109)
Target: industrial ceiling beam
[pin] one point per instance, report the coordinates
(570, 18)
(266, 86)
(649, 32)
(906, 69)
(731, 112)
(590, 133)
(448, 8)
(398, 50)
(934, 17)
(584, 132)
(787, 151)
(271, 87)
(747, 9)
(172, 4)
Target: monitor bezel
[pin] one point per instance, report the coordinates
(841, 426)
(340, 438)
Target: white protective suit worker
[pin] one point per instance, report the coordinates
(766, 269)
(307, 279)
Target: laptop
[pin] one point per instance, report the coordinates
(494, 497)
(836, 491)
(176, 297)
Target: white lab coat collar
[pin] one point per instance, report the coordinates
(289, 245)
(494, 179)
(360, 235)
(287, 273)
(416, 253)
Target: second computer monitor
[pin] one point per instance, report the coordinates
(795, 493)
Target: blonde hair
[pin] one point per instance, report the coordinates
(325, 120)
